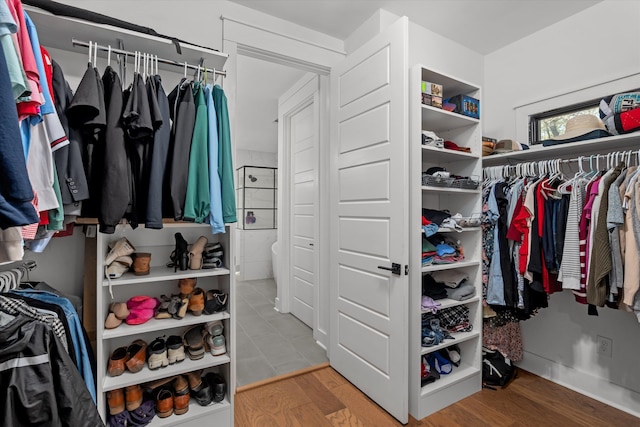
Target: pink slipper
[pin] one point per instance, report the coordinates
(138, 316)
(142, 302)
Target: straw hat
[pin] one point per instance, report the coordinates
(580, 125)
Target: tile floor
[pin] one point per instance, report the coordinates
(269, 343)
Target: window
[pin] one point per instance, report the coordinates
(552, 123)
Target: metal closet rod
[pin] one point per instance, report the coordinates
(164, 61)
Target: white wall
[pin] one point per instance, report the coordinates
(253, 257)
(592, 47)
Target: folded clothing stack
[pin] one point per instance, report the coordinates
(456, 284)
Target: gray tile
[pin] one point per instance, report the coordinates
(317, 357)
(307, 346)
(246, 349)
(266, 310)
(249, 320)
(290, 327)
(285, 368)
(255, 298)
(253, 369)
(259, 329)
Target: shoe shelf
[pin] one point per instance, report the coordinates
(439, 120)
(453, 265)
(448, 303)
(162, 325)
(195, 411)
(458, 338)
(146, 374)
(158, 274)
(457, 375)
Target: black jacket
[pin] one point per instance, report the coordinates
(47, 389)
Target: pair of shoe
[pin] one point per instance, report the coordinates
(118, 311)
(180, 255)
(213, 255)
(139, 417)
(118, 260)
(163, 353)
(208, 388)
(141, 309)
(214, 338)
(129, 397)
(172, 307)
(195, 295)
(131, 358)
(195, 253)
(173, 400)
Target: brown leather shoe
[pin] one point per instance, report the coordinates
(133, 397)
(186, 286)
(152, 385)
(141, 263)
(115, 400)
(137, 353)
(181, 403)
(117, 362)
(164, 403)
(196, 302)
(180, 385)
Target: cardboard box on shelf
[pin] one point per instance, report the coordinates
(434, 101)
(432, 88)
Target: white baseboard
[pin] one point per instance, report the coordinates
(597, 388)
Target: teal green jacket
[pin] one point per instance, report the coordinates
(197, 203)
(225, 161)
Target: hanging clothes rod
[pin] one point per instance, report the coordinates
(162, 60)
(621, 154)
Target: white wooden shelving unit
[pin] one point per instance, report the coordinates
(57, 32)
(163, 280)
(465, 132)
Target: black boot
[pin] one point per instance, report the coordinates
(181, 254)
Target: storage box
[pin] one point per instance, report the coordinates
(432, 88)
(434, 101)
(465, 105)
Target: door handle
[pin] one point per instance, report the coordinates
(395, 268)
(310, 244)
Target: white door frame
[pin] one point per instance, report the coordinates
(249, 46)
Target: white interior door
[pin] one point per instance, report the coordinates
(369, 215)
(300, 114)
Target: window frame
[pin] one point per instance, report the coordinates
(535, 119)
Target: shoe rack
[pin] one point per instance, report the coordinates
(162, 280)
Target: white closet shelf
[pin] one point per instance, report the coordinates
(625, 142)
(459, 264)
(450, 190)
(439, 120)
(448, 303)
(195, 411)
(451, 230)
(458, 374)
(445, 155)
(162, 325)
(146, 374)
(159, 274)
(459, 337)
(58, 31)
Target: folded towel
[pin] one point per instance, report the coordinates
(462, 292)
(451, 278)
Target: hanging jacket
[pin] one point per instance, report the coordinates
(225, 160)
(197, 203)
(115, 184)
(73, 181)
(40, 385)
(183, 113)
(158, 159)
(215, 191)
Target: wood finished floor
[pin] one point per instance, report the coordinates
(324, 398)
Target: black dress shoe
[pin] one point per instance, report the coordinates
(218, 386)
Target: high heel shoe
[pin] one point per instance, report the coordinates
(180, 255)
(195, 254)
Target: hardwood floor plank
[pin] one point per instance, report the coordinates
(307, 415)
(326, 401)
(330, 378)
(366, 410)
(344, 418)
(486, 413)
(457, 417)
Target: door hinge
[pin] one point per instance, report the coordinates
(406, 270)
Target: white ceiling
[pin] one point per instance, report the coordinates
(481, 25)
